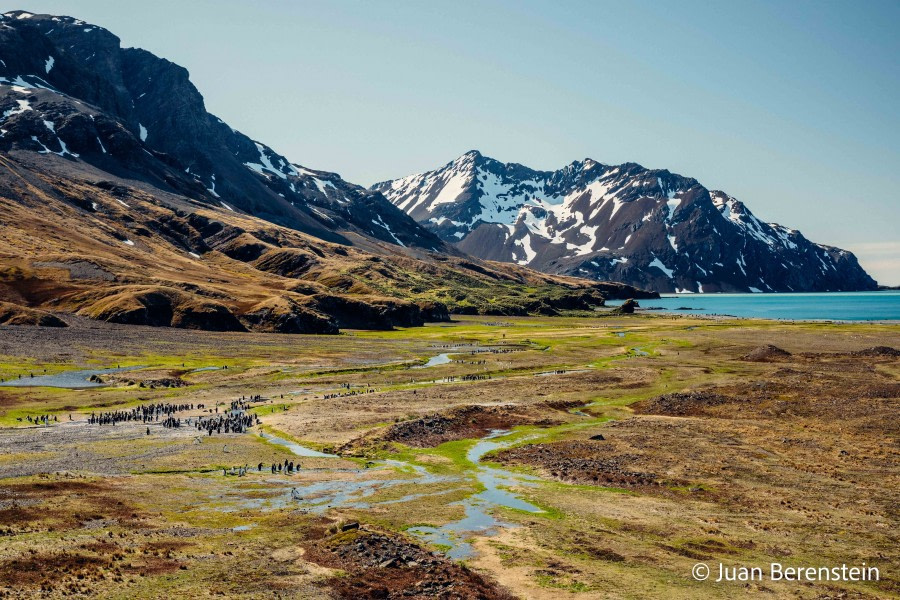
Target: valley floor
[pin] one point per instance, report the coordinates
(485, 458)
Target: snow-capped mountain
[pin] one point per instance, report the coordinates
(67, 88)
(122, 199)
(644, 227)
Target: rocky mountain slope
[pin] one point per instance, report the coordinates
(122, 199)
(76, 93)
(649, 228)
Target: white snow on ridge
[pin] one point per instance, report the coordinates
(671, 205)
(672, 242)
(23, 106)
(265, 164)
(322, 184)
(19, 84)
(659, 265)
(450, 191)
(784, 234)
(770, 234)
(525, 245)
(321, 214)
(64, 150)
(48, 64)
(45, 150)
(212, 188)
(226, 206)
(591, 234)
(143, 132)
(380, 222)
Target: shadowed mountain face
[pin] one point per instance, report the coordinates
(122, 199)
(645, 227)
(71, 90)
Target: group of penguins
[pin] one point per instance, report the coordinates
(145, 413)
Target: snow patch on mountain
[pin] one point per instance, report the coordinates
(659, 265)
(669, 231)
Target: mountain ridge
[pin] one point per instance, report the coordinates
(645, 227)
(122, 199)
(154, 99)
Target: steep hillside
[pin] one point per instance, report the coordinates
(645, 227)
(122, 199)
(71, 90)
(122, 251)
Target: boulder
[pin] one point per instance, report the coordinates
(766, 353)
(626, 308)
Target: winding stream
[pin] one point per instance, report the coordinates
(319, 496)
(478, 507)
(295, 447)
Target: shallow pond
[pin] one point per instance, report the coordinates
(440, 359)
(74, 380)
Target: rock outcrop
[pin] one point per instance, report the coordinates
(13, 314)
(626, 308)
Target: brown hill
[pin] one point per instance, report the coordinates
(12, 314)
(77, 240)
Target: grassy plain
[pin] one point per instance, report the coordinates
(790, 460)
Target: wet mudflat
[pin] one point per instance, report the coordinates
(544, 458)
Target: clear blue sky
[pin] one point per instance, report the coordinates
(790, 106)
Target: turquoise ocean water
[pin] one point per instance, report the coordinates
(838, 306)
